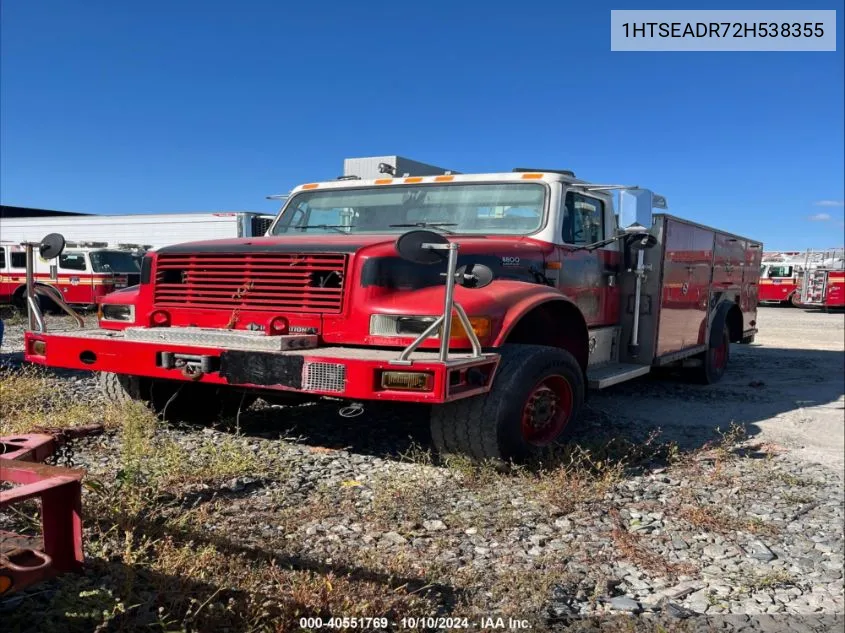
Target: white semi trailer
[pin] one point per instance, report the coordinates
(141, 231)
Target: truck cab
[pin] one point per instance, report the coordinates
(496, 300)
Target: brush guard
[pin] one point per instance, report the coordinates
(444, 321)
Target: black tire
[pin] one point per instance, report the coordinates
(795, 300)
(47, 305)
(715, 360)
(175, 401)
(490, 426)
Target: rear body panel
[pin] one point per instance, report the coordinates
(692, 271)
(835, 291)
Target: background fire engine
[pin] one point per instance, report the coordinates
(783, 273)
(823, 283)
(517, 291)
(84, 273)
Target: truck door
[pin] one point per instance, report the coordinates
(75, 281)
(778, 281)
(728, 263)
(687, 266)
(588, 277)
(6, 287)
(751, 282)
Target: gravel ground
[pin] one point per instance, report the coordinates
(743, 535)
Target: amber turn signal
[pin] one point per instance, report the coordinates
(406, 380)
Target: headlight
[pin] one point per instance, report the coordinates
(117, 312)
(413, 326)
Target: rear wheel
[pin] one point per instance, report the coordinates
(795, 300)
(715, 360)
(175, 400)
(536, 394)
(46, 304)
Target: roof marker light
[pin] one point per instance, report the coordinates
(531, 176)
(413, 179)
(384, 181)
(444, 178)
(312, 185)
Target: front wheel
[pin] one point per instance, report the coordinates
(536, 394)
(175, 400)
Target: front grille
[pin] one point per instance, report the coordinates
(300, 282)
(325, 377)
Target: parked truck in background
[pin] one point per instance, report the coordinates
(782, 276)
(494, 300)
(822, 283)
(83, 274)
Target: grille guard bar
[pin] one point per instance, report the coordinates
(445, 319)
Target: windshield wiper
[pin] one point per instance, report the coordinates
(424, 225)
(336, 227)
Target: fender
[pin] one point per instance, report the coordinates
(717, 323)
(525, 299)
(20, 291)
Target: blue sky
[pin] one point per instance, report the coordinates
(155, 106)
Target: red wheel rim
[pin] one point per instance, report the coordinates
(546, 411)
(720, 355)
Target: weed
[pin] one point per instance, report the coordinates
(777, 579)
(716, 520)
(631, 547)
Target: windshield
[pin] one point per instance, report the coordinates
(484, 209)
(114, 262)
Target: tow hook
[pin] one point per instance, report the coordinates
(192, 366)
(352, 410)
(191, 371)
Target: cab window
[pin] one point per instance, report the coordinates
(72, 261)
(18, 260)
(780, 271)
(583, 219)
(2, 257)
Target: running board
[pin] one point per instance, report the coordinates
(607, 375)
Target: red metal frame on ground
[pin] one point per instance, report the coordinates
(26, 560)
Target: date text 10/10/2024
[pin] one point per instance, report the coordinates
(413, 623)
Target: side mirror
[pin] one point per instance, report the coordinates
(641, 241)
(474, 276)
(51, 246)
(412, 246)
(637, 237)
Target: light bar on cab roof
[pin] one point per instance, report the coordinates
(419, 179)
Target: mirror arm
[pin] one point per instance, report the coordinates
(600, 243)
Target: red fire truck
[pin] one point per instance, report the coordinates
(823, 284)
(496, 299)
(84, 272)
(780, 276)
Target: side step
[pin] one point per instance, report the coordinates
(614, 373)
